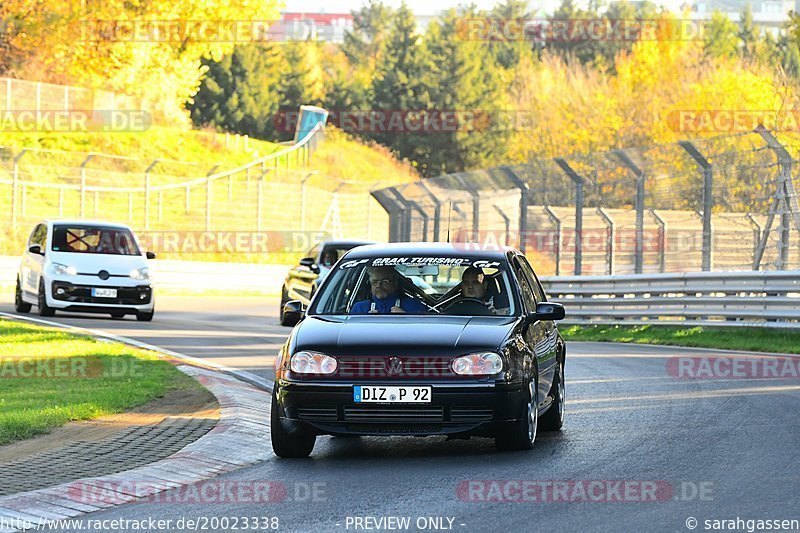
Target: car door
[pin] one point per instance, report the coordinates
(302, 277)
(549, 365)
(33, 264)
(536, 334)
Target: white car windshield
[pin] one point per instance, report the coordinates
(418, 285)
(94, 240)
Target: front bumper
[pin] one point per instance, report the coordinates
(75, 297)
(463, 409)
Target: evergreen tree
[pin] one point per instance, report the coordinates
(721, 37)
(748, 33)
(402, 85)
(240, 93)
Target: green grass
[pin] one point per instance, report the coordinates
(98, 378)
(772, 340)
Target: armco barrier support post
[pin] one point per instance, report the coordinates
(639, 177)
(523, 204)
(579, 198)
(708, 199)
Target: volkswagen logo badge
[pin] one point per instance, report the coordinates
(394, 366)
(103, 275)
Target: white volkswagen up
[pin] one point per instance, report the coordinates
(85, 267)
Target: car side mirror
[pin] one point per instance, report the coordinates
(293, 312)
(150, 255)
(547, 311)
(36, 249)
(310, 263)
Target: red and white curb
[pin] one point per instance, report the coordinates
(239, 439)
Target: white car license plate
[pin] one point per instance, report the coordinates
(104, 293)
(380, 394)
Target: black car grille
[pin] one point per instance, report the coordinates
(468, 414)
(390, 414)
(383, 368)
(317, 413)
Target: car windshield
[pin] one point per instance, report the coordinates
(94, 240)
(431, 285)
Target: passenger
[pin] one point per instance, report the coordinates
(474, 285)
(386, 298)
(329, 258)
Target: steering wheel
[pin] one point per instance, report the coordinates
(468, 306)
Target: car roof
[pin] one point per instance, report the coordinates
(86, 223)
(346, 242)
(443, 249)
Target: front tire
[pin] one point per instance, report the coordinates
(522, 434)
(20, 305)
(286, 445)
(44, 309)
(145, 316)
(284, 299)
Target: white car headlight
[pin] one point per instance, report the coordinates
(313, 363)
(478, 364)
(64, 270)
(141, 273)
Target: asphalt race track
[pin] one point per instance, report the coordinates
(642, 450)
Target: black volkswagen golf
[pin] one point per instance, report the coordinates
(422, 339)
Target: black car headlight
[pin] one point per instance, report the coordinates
(477, 364)
(313, 363)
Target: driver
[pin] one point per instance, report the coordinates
(473, 285)
(384, 283)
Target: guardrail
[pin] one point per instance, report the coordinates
(697, 298)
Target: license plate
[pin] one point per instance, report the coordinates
(104, 293)
(379, 394)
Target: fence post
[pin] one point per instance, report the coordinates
(260, 199)
(639, 177)
(437, 210)
(579, 181)
(557, 222)
(662, 239)
(708, 199)
(783, 202)
(756, 232)
(610, 239)
(476, 203)
(83, 182)
(209, 196)
(303, 199)
(523, 204)
(147, 193)
(15, 186)
(507, 222)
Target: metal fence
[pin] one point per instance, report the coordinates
(723, 203)
(698, 298)
(277, 192)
